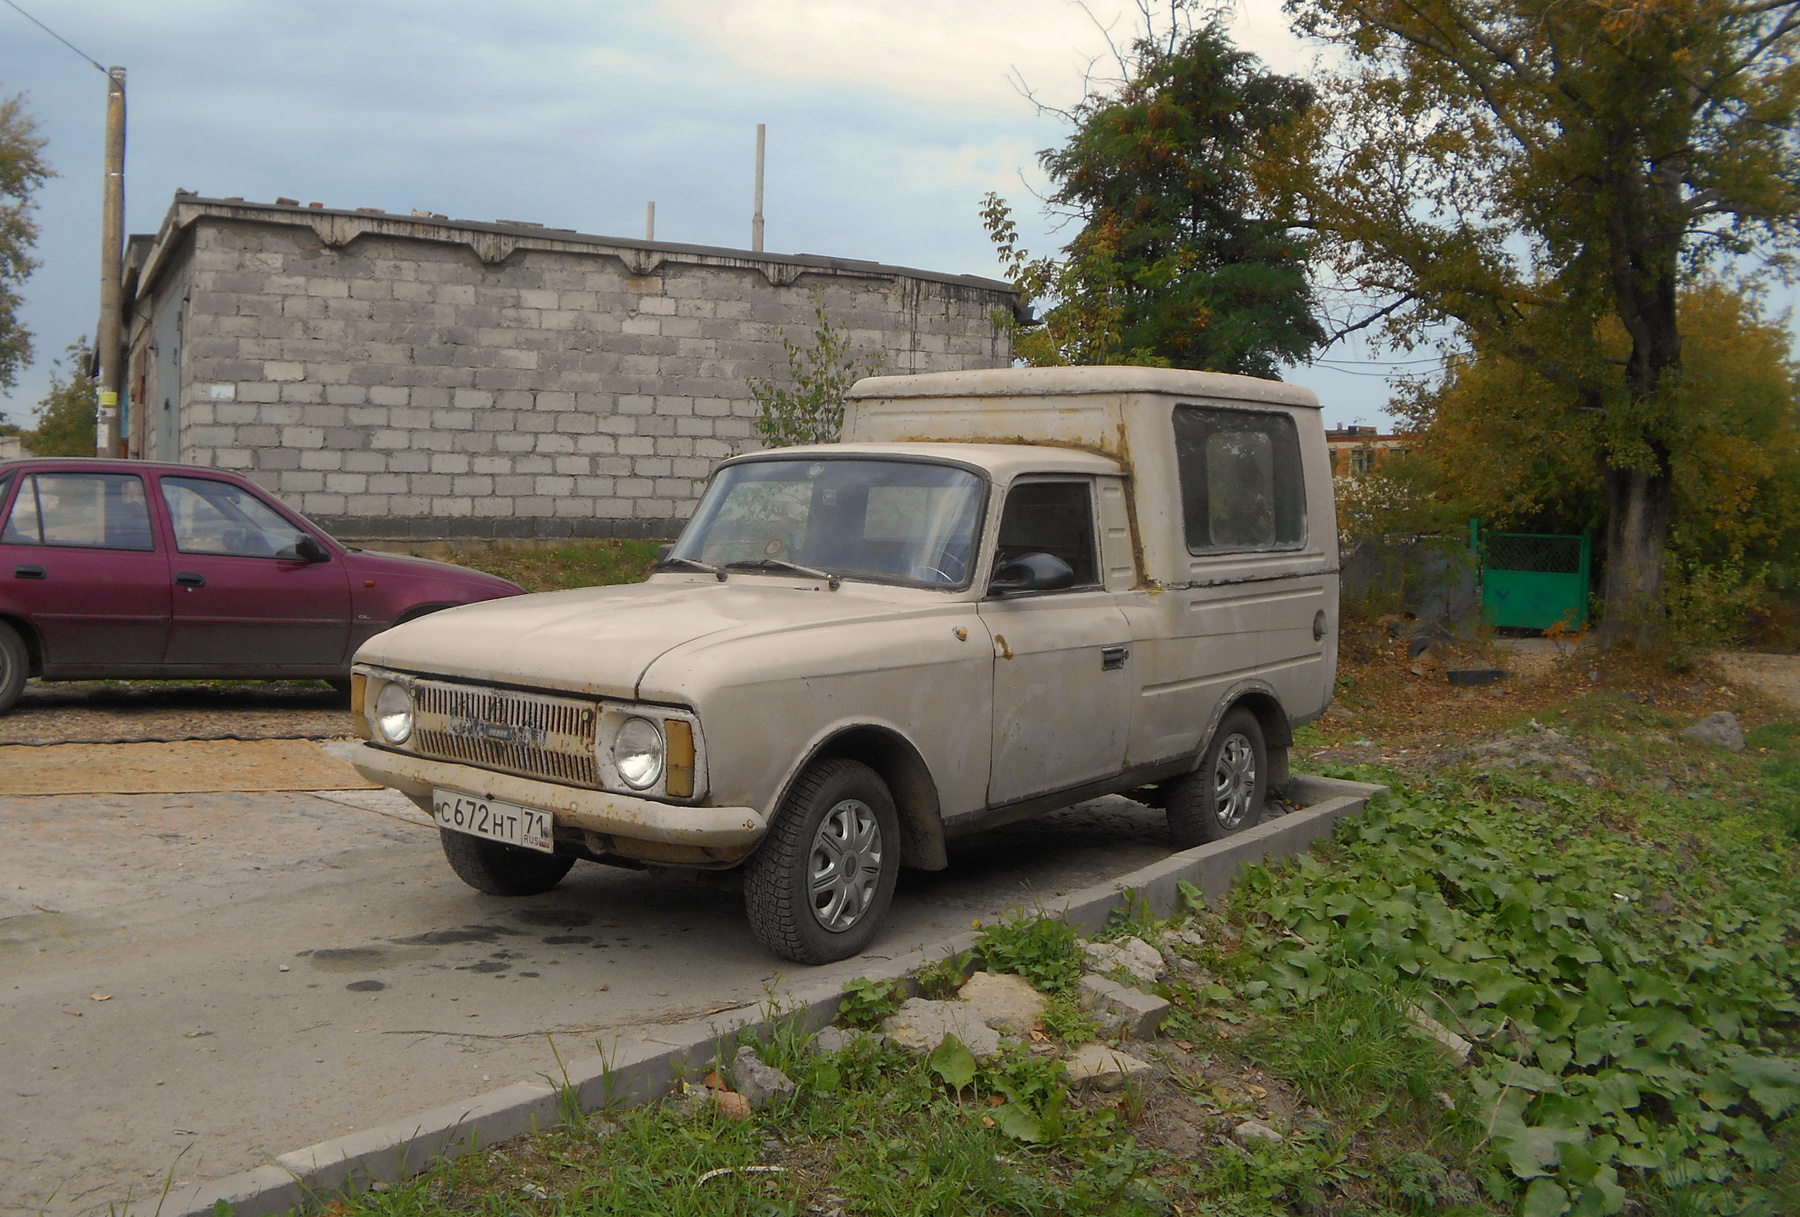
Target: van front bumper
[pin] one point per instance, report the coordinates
(637, 828)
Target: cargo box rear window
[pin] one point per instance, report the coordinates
(1241, 484)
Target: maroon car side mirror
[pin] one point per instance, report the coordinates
(307, 549)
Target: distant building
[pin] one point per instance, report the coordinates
(12, 448)
(1357, 449)
(413, 376)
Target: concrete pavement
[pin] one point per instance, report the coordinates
(279, 969)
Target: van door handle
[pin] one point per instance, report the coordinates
(188, 578)
(1113, 658)
(29, 572)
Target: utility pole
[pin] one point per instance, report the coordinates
(108, 340)
(756, 223)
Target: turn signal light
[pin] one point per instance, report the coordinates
(679, 780)
(359, 691)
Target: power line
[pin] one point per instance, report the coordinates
(97, 64)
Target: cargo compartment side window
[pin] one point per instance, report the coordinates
(1055, 518)
(1241, 483)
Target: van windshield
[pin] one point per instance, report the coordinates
(886, 520)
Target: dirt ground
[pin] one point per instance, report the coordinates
(149, 711)
(1396, 706)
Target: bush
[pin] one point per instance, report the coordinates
(811, 411)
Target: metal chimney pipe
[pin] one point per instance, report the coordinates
(650, 221)
(756, 221)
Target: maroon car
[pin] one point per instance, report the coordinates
(127, 569)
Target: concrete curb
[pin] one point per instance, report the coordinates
(640, 1070)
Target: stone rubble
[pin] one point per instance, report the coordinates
(1125, 1011)
(1098, 1067)
(763, 1085)
(919, 1026)
(1004, 1002)
(1720, 728)
(1134, 955)
(1255, 1130)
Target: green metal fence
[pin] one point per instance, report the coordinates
(1533, 580)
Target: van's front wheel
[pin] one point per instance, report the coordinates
(817, 886)
(500, 869)
(1226, 793)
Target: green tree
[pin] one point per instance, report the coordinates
(810, 408)
(65, 418)
(22, 171)
(1177, 261)
(1502, 441)
(1545, 176)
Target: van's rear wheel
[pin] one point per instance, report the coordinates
(500, 869)
(817, 886)
(1226, 793)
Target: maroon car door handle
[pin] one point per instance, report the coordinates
(29, 572)
(188, 578)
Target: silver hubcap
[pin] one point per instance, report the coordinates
(844, 865)
(1234, 781)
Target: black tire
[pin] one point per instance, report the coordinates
(1225, 795)
(500, 869)
(779, 893)
(15, 666)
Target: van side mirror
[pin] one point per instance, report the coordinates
(307, 549)
(663, 551)
(1032, 573)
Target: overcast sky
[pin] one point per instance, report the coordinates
(888, 120)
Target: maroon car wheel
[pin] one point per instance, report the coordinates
(15, 666)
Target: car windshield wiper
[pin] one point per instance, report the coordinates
(691, 564)
(778, 564)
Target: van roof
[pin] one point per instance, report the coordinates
(1003, 461)
(1065, 382)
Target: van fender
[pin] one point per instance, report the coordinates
(887, 751)
(1259, 697)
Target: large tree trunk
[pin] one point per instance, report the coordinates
(1646, 293)
(1637, 526)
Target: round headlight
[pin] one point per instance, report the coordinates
(638, 753)
(394, 714)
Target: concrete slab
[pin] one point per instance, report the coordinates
(288, 969)
(639, 1065)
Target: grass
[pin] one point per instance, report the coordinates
(552, 568)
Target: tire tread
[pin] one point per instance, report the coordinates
(774, 908)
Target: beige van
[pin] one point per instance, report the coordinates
(1004, 592)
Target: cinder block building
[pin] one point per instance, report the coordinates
(412, 377)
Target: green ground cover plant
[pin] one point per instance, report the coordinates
(1630, 986)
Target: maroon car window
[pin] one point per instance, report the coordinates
(80, 510)
(219, 518)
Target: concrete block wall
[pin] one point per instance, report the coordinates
(403, 388)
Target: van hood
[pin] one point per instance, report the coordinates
(599, 641)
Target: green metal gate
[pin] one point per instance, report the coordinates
(1533, 580)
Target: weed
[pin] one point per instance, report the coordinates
(867, 1002)
(1353, 1042)
(943, 979)
(1041, 949)
(1066, 1021)
(1631, 1002)
(1130, 918)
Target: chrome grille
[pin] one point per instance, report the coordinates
(529, 734)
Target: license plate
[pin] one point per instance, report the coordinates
(523, 826)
